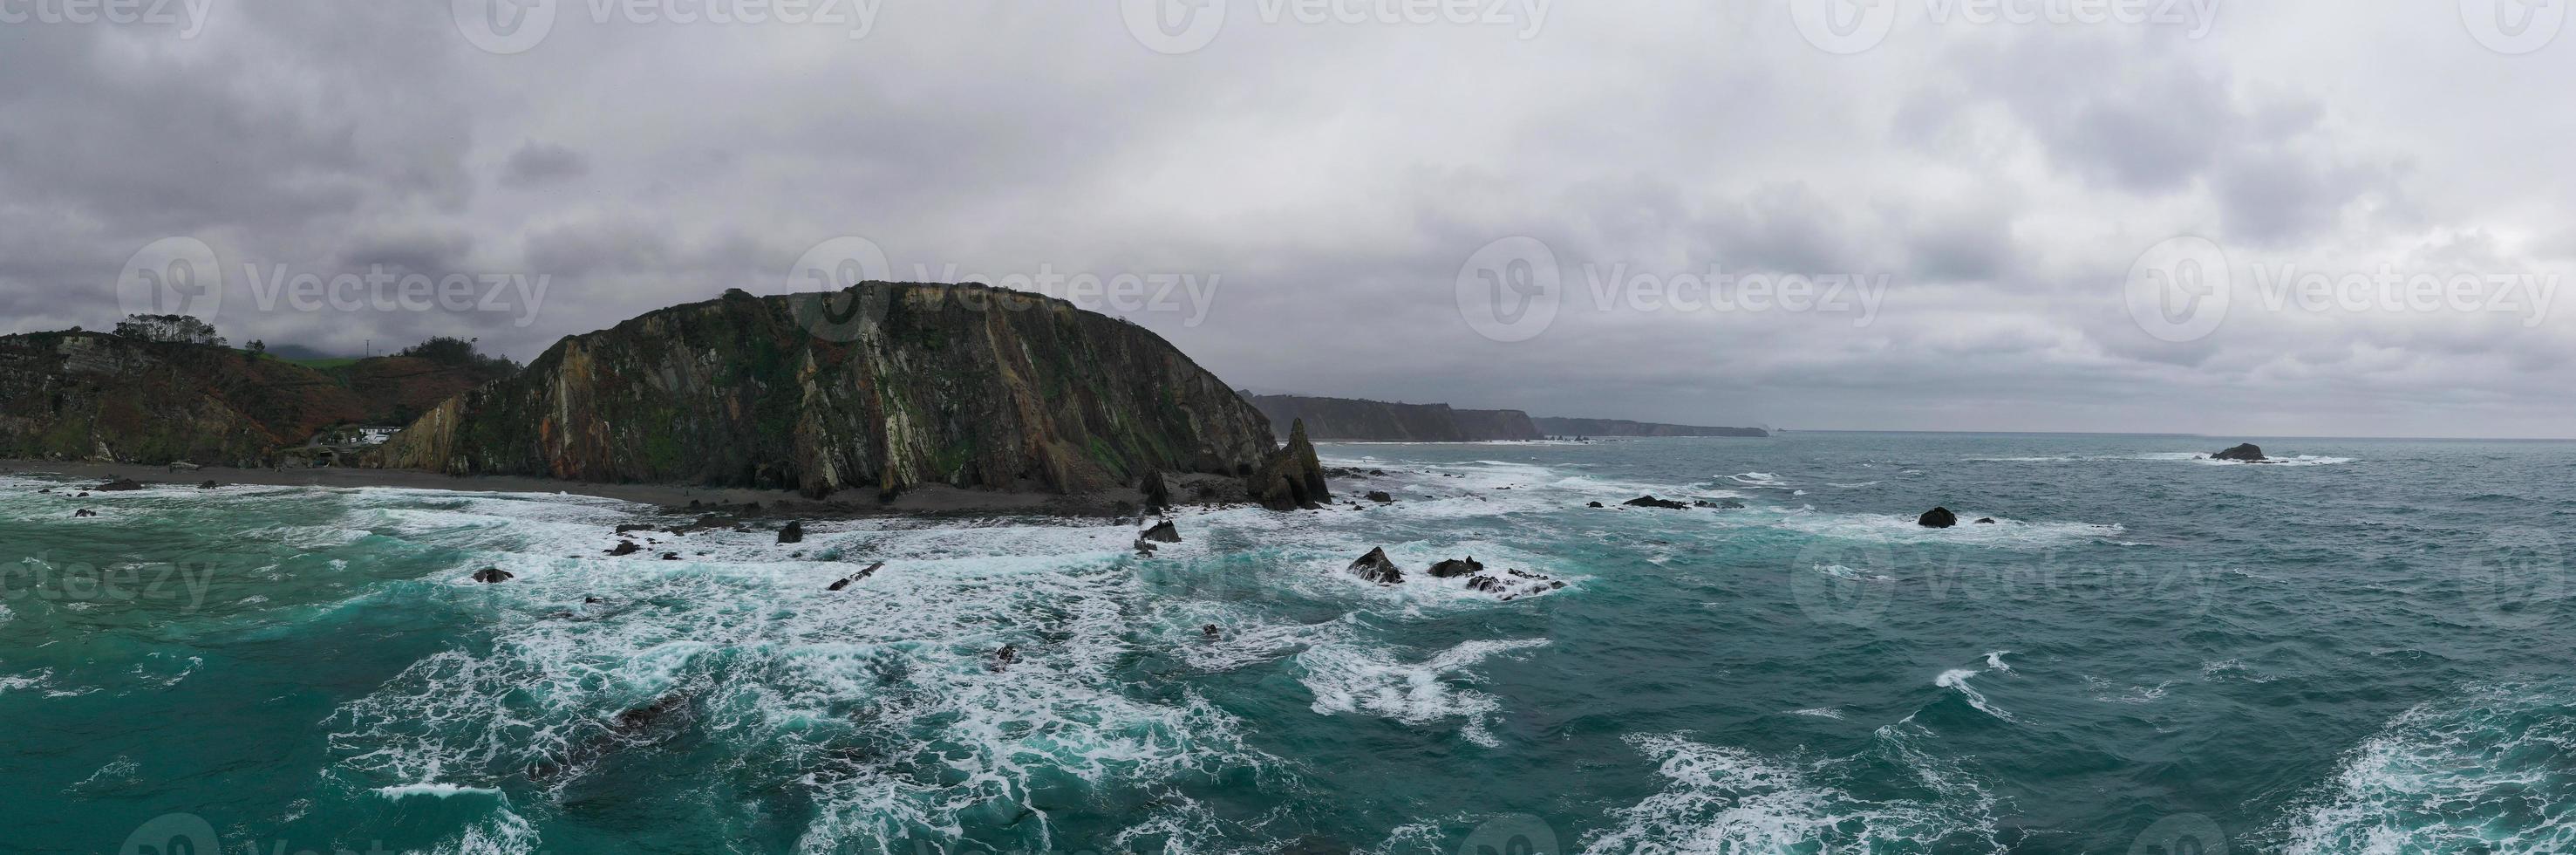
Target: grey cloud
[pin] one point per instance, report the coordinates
(539, 163)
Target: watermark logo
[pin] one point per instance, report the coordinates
(1840, 582)
(2180, 290)
(1174, 26)
(2519, 580)
(823, 291)
(1509, 291)
(188, 16)
(1186, 26)
(504, 27)
(172, 834)
(1190, 295)
(2514, 27)
(1844, 27)
(1512, 834)
(172, 276)
(2184, 834)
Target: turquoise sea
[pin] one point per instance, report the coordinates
(2368, 648)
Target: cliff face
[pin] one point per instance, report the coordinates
(1380, 421)
(916, 384)
(396, 390)
(1621, 427)
(93, 396)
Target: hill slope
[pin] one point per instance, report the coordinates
(948, 384)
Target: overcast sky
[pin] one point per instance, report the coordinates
(1914, 215)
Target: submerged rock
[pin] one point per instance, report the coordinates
(118, 486)
(1985, 520)
(625, 548)
(1211, 632)
(493, 575)
(2247, 452)
(1381, 497)
(793, 533)
(1652, 502)
(1375, 567)
(1593, 505)
(84, 512)
(1937, 518)
(206, 486)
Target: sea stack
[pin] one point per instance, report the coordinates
(2249, 453)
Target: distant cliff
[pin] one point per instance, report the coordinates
(1355, 420)
(95, 396)
(1621, 427)
(886, 386)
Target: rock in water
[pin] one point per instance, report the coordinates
(2248, 452)
(793, 533)
(206, 486)
(1157, 488)
(118, 486)
(1164, 533)
(1293, 477)
(854, 577)
(1985, 520)
(1381, 497)
(1937, 518)
(84, 512)
(1652, 502)
(493, 575)
(1211, 631)
(1593, 505)
(1454, 568)
(884, 386)
(625, 548)
(1376, 568)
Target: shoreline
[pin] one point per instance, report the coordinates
(930, 500)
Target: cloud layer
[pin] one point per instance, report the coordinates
(1296, 201)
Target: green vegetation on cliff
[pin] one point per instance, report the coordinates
(885, 386)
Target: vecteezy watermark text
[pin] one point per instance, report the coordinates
(2184, 288)
(1185, 26)
(1190, 295)
(189, 16)
(517, 26)
(520, 295)
(1513, 289)
(82, 582)
(823, 284)
(1855, 26)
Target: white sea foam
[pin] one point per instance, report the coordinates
(2488, 771)
(1725, 801)
(1348, 677)
(434, 790)
(1957, 679)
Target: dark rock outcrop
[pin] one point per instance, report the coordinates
(855, 577)
(1292, 478)
(793, 532)
(1652, 502)
(883, 386)
(1985, 520)
(119, 485)
(84, 512)
(1164, 532)
(1622, 427)
(1375, 567)
(1937, 518)
(1454, 568)
(625, 548)
(1381, 497)
(207, 486)
(2248, 452)
(1593, 505)
(493, 575)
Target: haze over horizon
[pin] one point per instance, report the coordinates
(1358, 202)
